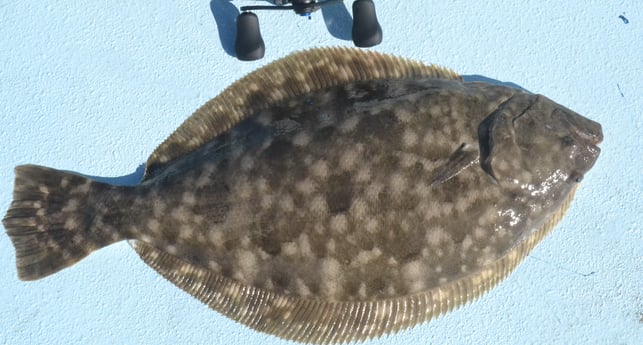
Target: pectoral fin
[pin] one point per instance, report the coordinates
(485, 141)
(463, 157)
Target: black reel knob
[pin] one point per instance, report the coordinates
(367, 31)
(249, 45)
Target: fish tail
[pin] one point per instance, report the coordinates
(51, 220)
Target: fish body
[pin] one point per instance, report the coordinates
(333, 195)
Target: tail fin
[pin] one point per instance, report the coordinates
(50, 220)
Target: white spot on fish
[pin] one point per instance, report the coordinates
(331, 273)
(464, 202)
(146, 238)
(286, 203)
(413, 273)
(358, 209)
(262, 185)
(409, 138)
(365, 256)
(350, 158)
(181, 214)
(373, 190)
(304, 245)
(398, 184)
(189, 198)
(301, 139)
(302, 288)
(318, 205)
(186, 232)
(244, 190)
(467, 243)
(215, 236)
(325, 119)
(213, 265)
(422, 189)
(83, 188)
(154, 226)
(245, 242)
(171, 249)
(266, 201)
(338, 223)
(158, 208)
(349, 124)
(403, 115)
(205, 177)
(435, 236)
(264, 118)
(362, 290)
(71, 223)
(330, 246)
(320, 169)
(71, 206)
(363, 174)
(306, 186)
(247, 163)
(390, 289)
(372, 225)
(247, 266)
(289, 249)
(479, 233)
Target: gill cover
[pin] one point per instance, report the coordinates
(496, 134)
(536, 143)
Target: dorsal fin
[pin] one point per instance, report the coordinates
(294, 75)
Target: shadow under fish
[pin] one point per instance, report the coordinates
(334, 195)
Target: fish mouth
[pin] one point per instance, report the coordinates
(592, 136)
(594, 150)
(588, 131)
(586, 160)
(583, 129)
(589, 134)
(592, 145)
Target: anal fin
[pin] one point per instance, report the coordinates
(308, 320)
(320, 321)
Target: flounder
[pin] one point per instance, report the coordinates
(333, 195)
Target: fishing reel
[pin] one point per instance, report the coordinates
(249, 45)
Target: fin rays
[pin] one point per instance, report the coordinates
(47, 232)
(294, 75)
(331, 322)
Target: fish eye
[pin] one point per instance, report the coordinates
(576, 177)
(567, 141)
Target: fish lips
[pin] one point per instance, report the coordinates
(585, 161)
(587, 134)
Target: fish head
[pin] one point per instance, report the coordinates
(534, 143)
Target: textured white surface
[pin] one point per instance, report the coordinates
(93, 88)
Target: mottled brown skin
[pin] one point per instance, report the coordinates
(330, 196)
(334, 195)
